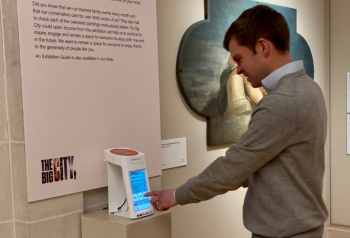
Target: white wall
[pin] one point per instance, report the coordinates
(221, 216)
(340, 51)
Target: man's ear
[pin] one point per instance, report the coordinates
(262, 46)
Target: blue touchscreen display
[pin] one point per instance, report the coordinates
(139, 188)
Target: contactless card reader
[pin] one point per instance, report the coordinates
(127, 183)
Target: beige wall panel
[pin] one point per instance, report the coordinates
(19, 180)
(325, 233)
(95, 208)
(155, 183)
(22, 230)
(340, 51)
(67, 226)
(221, 216)
(338, 232)
(5, 184)
(3, 113)
(95, 200)
(54, 207)
(12, 65)
(6, 230)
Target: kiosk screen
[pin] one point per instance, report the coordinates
(139, 188)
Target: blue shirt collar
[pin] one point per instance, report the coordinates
(272, 79)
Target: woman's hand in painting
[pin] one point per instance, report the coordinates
(162, 200)
(255, 94)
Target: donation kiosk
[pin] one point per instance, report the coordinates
(127, 183)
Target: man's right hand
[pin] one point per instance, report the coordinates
(162, 200)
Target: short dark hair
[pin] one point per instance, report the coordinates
(257, 22)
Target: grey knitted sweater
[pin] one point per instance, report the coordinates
(282, 154)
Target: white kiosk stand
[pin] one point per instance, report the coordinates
(127, 183)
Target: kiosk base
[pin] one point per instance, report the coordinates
(101, 224)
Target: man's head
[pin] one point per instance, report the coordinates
(259, 42)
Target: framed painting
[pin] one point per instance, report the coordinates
(207, 76)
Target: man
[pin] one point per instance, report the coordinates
(281, 156)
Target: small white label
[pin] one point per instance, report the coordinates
(136, 160)
(348, 92)
(174, 153)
